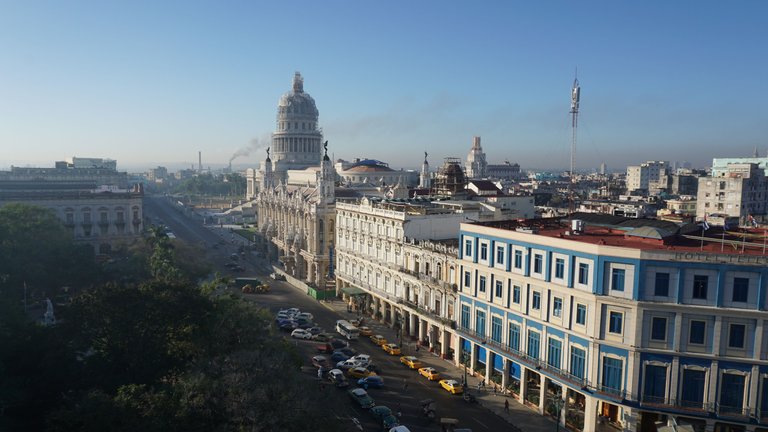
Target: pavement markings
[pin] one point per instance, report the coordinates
(480, 423)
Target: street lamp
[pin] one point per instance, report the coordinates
(465, 361)
(557, 403)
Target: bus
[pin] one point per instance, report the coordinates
(347, 330)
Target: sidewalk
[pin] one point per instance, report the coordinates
(522, 417)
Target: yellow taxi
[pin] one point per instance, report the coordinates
(378, 340)
(410, 361)
(359, 372)
(429, 373)
(391, 349)
(365, 331)
(452, 386)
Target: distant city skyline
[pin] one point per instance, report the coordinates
(152, 84)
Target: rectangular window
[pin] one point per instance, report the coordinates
(740, 289)
(612, 374)
(496, 329)
(700, 283)
(581, 314)
(465, 316)
(480, 323)
(697, 332)
(514, 336)
(518, 259)
(500, 255)
(468, 248)
(557, 307)
(516, 294)
(499, 289)
(554, 353)
(614, 322)
(583, 273)
(483, 251)
(692, 388)
(482, 284)
(659, 329)
(736, 335)
(617, 279)
(538, 263)
(655, 389)
(536, 302)
(533, 344)
(578, 360)
(559, 268)
(732, 393)
(467, 278)
(661, 288)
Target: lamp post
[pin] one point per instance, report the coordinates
(465, 361)
(557, 404)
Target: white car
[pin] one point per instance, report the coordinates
(306, 315)
(301, 334)
(362, 359)
(293, 311)
(348, 364)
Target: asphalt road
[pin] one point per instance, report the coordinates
(219, 244)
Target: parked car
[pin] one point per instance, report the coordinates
(391, 349)
(380, 411)
(378, 340)
(293, 311)
(315, 330)
(277, 276)
(320, 360)
(305, 325)
(287, 325)
(301, 334)
(365, 331)
(373, 367)
(337, 378)
(347, 364)
(338, 343)
(373, 381)
(349, 352)
(321, 337)
(410, 361)
(429, 373)
(359, 372)
(452, 386)
(362, 398)
(389, 422)
(338, 357)
(305, 315)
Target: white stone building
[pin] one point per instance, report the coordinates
(740, 191)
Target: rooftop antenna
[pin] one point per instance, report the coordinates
(575, 95)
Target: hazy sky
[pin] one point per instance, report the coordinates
(152, 83)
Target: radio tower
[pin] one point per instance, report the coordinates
(575, 93)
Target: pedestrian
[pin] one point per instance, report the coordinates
(405, 384)
(478, 385)
(494, 389)
(417, 347)
(506, 406)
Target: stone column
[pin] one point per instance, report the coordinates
(392, 316)
(542, 393)
(504, 374)
(590, 413)
(488, 365)
(524, 385)
(412, 325)
(472, 356)
(445, 337)
(564, 409)
(422, 330)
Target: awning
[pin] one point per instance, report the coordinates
(353, 291)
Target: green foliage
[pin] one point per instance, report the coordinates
(206, 184)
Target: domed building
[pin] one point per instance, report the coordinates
(476, 163)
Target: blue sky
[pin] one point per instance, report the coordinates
(152, 83)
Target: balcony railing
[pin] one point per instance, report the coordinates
(732, 411)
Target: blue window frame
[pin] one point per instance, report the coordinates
(661, 287)
(693, 388)
(483, 251)
(578, 360)
(617, 279)
(615, 322)
(536, 301)
(658, 329)
(496, 329)
(468, 248)
(467, 279)
(538, 263)
(500, 255)
(533, 344)
(514, 336)
(697, 332)
(740, 289)
(554, 352)
(583, 273)
(482, 284)
(736, 335)
(480, 323)
(655, 388)
(700, 284)
(581, 314)
(518, 259)
(732, 393)
(557, 307)
(559, 268)
(499, 288)
(516, 294)
(612, 374)
(465, 316)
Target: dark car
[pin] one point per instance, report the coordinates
(286, 325)
(337, 357)
(320, 361)
(361, 397)
(338, 343)
(349, 352)
(305, 325)
(373, 381)
(322, 337)
(373, 367)
(337, 378)
(315, 330)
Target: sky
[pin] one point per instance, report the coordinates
(152, 83)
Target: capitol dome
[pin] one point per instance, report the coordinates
(297, 140)
(296, 104)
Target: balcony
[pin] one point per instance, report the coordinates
(732, 411)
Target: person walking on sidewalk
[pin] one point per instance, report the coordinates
(506, 406)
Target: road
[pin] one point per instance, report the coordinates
(219, 245)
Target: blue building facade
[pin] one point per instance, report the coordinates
(604, 328)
